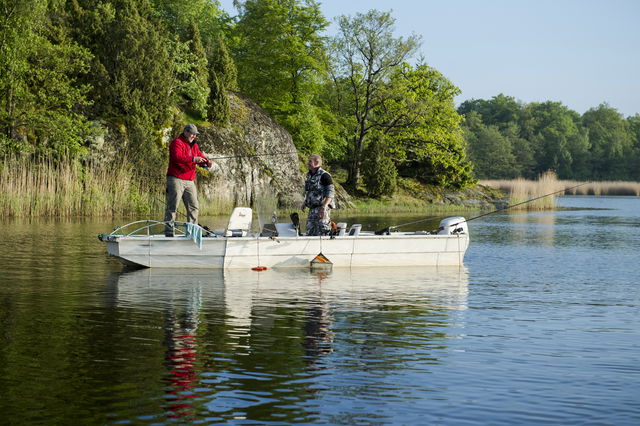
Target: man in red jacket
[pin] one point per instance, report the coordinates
(184, 154)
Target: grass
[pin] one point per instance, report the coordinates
(70, 189)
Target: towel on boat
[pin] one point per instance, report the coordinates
(194, 232)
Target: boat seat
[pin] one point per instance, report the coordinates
(286, 230)
(239, 223)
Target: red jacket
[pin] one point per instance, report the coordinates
(181, 164)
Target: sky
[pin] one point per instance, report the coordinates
(581, 53)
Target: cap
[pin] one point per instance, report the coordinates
(191, 128)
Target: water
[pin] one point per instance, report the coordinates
(539, 326)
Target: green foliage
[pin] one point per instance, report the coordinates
(280, 54)
(542, 136)
(218, 102)
(133, 75)
(306, 128)
(634, 161)
(557, 139)
(419, 117)
(222, 65)
(489, 150)
(179, 15)
(380, 174)
(612, 143)
(39, 89)
(195, 77)
(366, 54)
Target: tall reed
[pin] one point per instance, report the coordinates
(68, 188)
(573, 187)
(521, 190)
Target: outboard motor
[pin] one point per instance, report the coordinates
(453, 225)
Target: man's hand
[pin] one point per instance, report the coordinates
(199, 160)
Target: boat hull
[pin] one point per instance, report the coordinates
(397, 249)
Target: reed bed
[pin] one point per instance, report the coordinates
(70, 189)
(521, 190)
(602, 188)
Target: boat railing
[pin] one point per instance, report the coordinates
(148, 225)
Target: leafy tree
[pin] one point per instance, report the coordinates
(223, 77)
(218, 102)
(501, 111)
(366, 54)
(40, 94)
(489, 150)
(611, 142)
(223, 65)
(559, 142)
(133, 76)
(416, 113)
(197, 79)
(634, 127)
(380, 177)
(179, 16)
(281, 57)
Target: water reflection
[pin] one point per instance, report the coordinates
(538, 225)
(252, 345)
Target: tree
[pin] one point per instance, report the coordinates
(40, 93)
(133, 75)
(366, 54)
(196, 90)
(222, 64)
(490, 152)
(380, 177)
(557, 139)
(611, 142)
(634, 127)
(416, 115)
(179, 15)
(500, 111)
(281, 58)
(223, 76)
(218, 102)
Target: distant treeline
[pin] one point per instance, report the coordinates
(508, 139)
(75, 72)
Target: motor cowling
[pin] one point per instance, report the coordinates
(453, 225)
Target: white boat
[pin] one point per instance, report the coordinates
(237, 247)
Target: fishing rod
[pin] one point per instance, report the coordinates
(523, 202)
(251, 155)
(389, 228)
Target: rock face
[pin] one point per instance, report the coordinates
(254, 159)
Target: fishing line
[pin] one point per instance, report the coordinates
(389, 228)
(524, 202)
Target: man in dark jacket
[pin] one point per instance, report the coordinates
(184, 154)
(319, 194)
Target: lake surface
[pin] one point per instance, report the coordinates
(540, 326)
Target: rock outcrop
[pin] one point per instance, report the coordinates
(254, 158)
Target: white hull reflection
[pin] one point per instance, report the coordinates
(237, 292)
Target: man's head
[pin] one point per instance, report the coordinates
(315, 162)
(190, 132)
